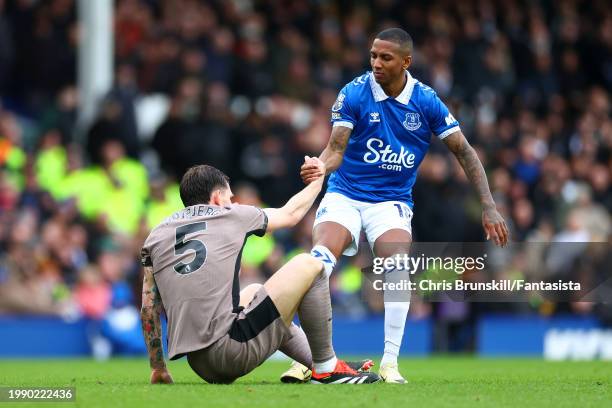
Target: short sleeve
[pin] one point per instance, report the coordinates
(441, 122)
(253, 219)
(145, 254)
(342, 111)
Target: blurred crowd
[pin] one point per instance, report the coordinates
(246, 86)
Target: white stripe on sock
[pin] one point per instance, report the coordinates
(324, 255)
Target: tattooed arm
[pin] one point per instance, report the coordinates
(492, 222)
(332, 155)
(151, 324)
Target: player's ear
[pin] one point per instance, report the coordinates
(215, 197)
(407, 61)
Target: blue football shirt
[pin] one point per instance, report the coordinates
(389, 140)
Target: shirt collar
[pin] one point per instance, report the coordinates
(403, 97)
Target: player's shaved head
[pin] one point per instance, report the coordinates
(199, 182)
(399, 37)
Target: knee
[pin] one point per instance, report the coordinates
(311, 263)
(246, 294)
(335, 248)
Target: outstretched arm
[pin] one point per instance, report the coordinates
(332, 154)
(298, 205)
(150, 313)
(492, 222)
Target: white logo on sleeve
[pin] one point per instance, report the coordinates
(412, 121)
(388, 159)
(450, 119)
(339, 102)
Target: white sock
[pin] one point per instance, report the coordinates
(324, 255)
(395, 321)
(326, 366)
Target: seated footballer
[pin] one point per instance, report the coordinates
(191, 270)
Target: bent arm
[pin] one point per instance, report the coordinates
(295, 209)
(334, 151)
(331, 156)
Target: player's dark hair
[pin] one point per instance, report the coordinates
(199, 182)
(398, 36)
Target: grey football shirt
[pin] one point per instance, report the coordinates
(195, 254)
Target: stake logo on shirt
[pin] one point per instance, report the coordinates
(378, 152)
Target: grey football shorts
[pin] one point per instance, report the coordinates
(256, 333)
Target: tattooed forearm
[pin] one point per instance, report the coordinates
(334, 152)
(339, 138)
(150, 317)
(152, 333)
(472, 166)
(492, 221)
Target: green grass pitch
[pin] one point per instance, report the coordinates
(437, 381)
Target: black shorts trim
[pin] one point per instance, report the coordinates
(255, 321)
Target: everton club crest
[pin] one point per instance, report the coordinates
(412, 121)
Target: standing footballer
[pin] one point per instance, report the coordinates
(382, 126)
